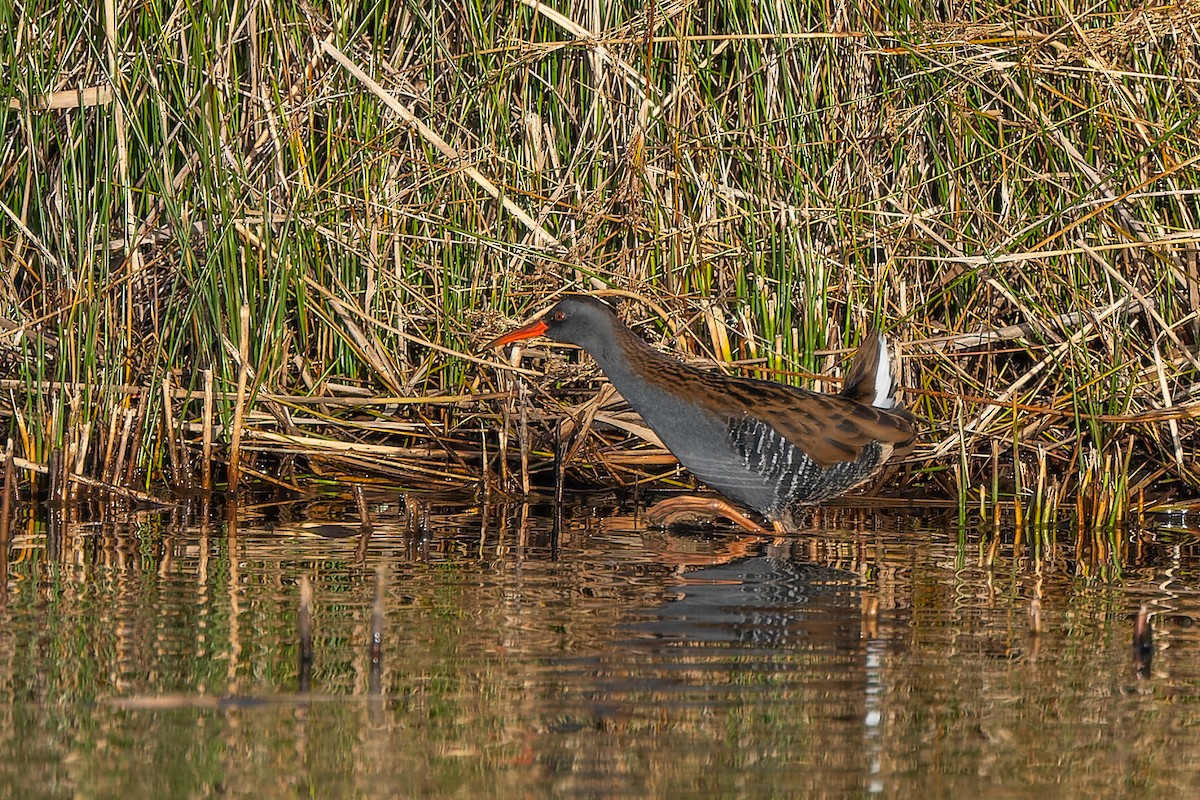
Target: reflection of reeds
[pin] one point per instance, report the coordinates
(279, 265)
(304, 634)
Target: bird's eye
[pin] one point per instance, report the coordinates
(558, 316)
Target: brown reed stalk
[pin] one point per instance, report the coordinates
(239, 409)
(206, 437)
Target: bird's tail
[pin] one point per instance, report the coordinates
(870, 379)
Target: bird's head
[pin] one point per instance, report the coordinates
(576, 319)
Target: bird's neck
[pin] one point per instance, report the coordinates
(634, 368)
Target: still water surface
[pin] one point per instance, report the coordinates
(874, 655)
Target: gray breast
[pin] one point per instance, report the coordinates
(700, 440)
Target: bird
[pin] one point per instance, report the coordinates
(767, 446)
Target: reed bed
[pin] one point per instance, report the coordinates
(247, 242)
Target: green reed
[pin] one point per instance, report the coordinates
(776, 180)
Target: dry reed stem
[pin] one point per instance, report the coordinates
(169, 432)
(206, 436)
(239, 409)
(9, 489)
(107, 468)
(67, 98)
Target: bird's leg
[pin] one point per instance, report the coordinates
(676, 509)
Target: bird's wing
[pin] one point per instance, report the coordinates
(829, 428)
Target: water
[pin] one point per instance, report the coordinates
(876, 655)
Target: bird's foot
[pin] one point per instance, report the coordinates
(679, 509)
